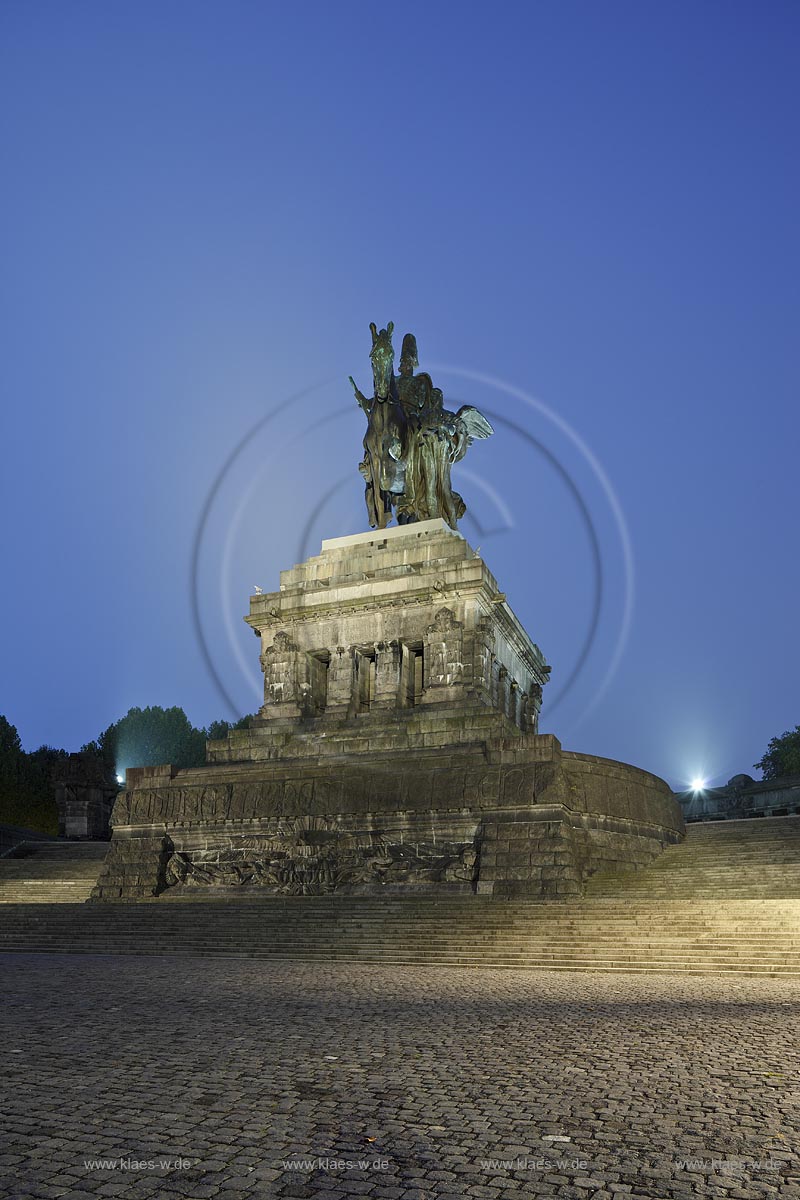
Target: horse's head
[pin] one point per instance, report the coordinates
(382, 357)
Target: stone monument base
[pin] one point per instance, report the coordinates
(397, 751)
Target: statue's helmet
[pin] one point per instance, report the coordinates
(408, 354)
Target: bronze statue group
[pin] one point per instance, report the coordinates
(412, 440)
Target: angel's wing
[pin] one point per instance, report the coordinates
(474, 423)
(468, 425)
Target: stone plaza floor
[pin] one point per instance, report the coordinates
(151, 1077)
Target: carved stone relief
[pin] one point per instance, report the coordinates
(309, 858)
(444, 646)
(279, 664)
(534, 706)
(341, 677)
(484, 657)
(387, 671)
(502, 688)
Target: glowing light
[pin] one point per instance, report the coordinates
(120, 779)
(698, 785)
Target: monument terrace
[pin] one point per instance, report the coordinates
(398, 750)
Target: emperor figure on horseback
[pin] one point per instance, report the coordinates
(411, 439)
(383, 465)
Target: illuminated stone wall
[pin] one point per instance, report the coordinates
(396, 751)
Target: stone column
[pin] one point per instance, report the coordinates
(513, 698)
(387, 674)
(483, 658)
(444, 659)
(282, 678)
(502, 689)
(534, 705)
(341, 680)
(411, 675)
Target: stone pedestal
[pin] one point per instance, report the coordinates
(397, 750)
(393, 619)
(85, 792)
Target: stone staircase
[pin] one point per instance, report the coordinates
(53, 872)
(378, 732)
(751, 859)
(690, 912)
(748, 937)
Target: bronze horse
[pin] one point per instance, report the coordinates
(383, 464)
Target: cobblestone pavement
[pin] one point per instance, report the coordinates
(203, 1078)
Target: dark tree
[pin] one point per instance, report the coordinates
(147, 737)
(782, 756)
(12, 766)
(41, 764)
(26, 788)
(10, 745)
(220, 729)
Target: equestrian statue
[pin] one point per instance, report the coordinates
(412, 440)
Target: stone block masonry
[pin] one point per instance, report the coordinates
(397, 750)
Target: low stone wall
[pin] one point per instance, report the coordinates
(602, 815)
(603, 786)
(508, 817)
(14, 835)
(622, 816)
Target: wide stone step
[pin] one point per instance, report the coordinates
(66, 874)
(722, 895)
(698, 866)
(403, 929)
(578, 961)
(28, 851)
(23, 887)
(779, 946)
(61, 872)
(621, 921)
(785, 890)
(600, 912)
(441, 932)
(700, 863)
(727, 900)
(747, 938)
(773, 893)
(690, 945)
(732, 881)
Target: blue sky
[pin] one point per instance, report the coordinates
(592, 206)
